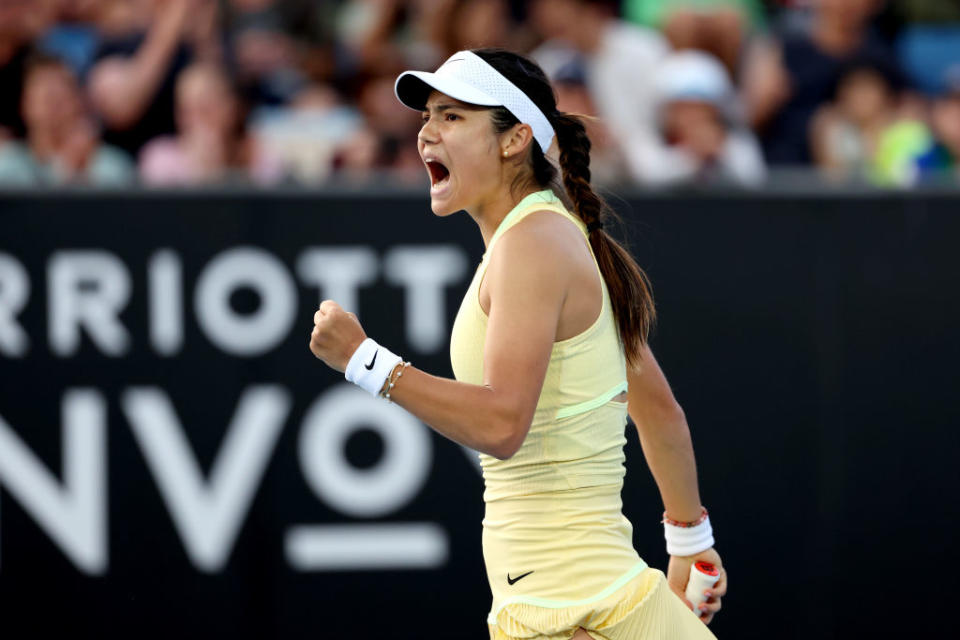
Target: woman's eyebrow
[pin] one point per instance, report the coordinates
(449, 105)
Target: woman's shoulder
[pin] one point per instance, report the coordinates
(534, 261)
(543, 235)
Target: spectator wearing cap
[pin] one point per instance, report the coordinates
(606, 161)
(620, 61)
(61, 143)
(701, 121)
(785, 83)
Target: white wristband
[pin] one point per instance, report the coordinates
(688, 541)
(370, 365)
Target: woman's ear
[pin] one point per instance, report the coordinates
(516, 140)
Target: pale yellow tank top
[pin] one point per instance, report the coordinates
(553, 532)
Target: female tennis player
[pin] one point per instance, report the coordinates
(550, 354)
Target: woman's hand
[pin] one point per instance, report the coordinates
(336, 335)
(678, 574)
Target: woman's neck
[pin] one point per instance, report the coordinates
(489, 214)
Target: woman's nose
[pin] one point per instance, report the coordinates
(428, 133)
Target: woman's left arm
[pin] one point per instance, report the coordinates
(667, 447)
(527, 289)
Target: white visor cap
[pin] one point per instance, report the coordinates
(467, 77)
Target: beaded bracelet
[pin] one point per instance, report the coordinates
(395, 377)
(686, 525)
(391, 379)
(688, 538)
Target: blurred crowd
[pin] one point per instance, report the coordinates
(198, 92)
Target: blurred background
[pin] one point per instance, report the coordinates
(270, 92)
(182, 181)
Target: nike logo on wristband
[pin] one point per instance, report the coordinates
(520, 577)
(370, 366)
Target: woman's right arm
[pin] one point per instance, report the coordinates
(528, 278)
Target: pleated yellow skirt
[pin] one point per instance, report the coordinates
(643, 609)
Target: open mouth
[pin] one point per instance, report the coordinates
(439, 174)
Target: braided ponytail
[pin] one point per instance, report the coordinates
(629, 288)
(630, 292)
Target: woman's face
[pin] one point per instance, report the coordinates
(462, 153)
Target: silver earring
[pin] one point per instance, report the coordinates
(505, 154)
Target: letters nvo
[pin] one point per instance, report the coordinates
(207, 512)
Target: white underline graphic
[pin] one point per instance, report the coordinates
(345, 547)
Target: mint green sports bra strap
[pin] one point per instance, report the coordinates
(590, 405)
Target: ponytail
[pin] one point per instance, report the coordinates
(630, 293)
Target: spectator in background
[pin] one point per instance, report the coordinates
(305, 21)
(788, 79)
(939, 161)
(573, 96)
(357, 159)
(928, 40)
(387, 36)
(20, 22)
(702, 123)
(845, 133)
(146, 43)
(620, 61)
(485, 23)
(718, 27)
(210, 144)
(395, 128)
(307, 134)
(61, 139)
(263, 51)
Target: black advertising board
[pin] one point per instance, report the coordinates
(174, 460)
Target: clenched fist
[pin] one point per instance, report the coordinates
(336, 335)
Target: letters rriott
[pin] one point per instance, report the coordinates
(88, 290)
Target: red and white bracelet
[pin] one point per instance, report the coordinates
(688, 538)
(686, 525)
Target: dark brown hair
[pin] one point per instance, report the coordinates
(630, 293)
